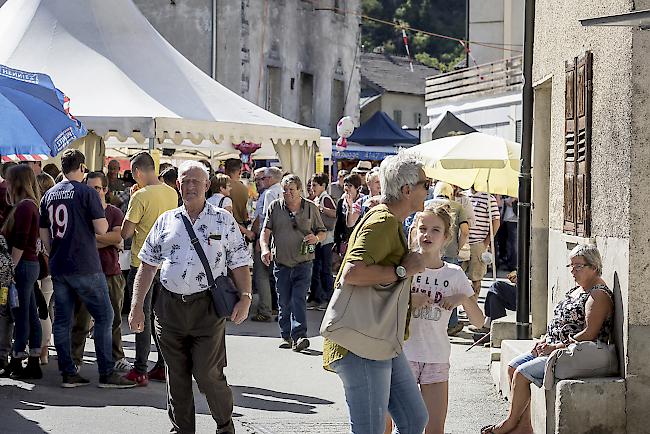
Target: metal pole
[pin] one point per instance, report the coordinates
(467, 33)
(524, 207)
(489, 205)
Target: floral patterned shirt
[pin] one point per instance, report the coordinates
(168, 245)
(570, 315)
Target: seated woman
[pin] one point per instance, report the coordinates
(585, 314)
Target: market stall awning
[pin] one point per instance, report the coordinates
(381, 130)
(126, 82)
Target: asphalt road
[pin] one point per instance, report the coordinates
(276, 392)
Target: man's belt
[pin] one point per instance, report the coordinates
(186, 298)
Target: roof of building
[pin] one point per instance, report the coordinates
(388, 73)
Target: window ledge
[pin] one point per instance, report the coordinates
(574, 240)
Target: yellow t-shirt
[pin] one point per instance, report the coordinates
(380, 240)
(145, 206)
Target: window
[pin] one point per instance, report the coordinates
(397, 117)
(518, 131)
(306, 99)
(273, 90)
(337, 107)
(577, 146)
(417, 118)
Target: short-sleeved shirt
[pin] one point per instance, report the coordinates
(145, 206)
(239, 196)
(428, 341)
(168, 244)
(24, 233)
(287, 238)
(219, 200)
(379, 240)
(68, 210)
(109, 256)
(480, 230)
(271, 194)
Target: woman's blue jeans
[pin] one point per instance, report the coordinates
(376, 387)
(27, 324)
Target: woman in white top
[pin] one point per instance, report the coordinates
(220, 188)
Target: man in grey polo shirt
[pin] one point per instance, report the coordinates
(295, 225)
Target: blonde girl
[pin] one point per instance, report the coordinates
(434, 293)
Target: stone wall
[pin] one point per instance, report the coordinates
(252, 35)
(619, 170)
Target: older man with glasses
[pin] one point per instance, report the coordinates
(292, 228)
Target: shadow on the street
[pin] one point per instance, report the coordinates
(271, 400)
(272, 329)
(13, 421)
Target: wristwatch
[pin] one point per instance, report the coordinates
(401, 272)
(247, 294)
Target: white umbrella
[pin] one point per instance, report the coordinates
(487, 163)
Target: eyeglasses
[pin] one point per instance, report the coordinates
(426, 183)
(578, 267)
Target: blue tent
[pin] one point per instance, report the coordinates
(381, 130)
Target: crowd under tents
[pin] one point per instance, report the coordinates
(132, 89)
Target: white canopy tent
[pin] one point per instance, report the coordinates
(130, 86)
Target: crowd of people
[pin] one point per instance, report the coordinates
(186, 228)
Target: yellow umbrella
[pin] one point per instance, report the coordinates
(489, 164)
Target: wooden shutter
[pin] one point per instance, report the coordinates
(569, 149)
(577, 146)
(583, 145)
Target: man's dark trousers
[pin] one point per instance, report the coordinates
(192, 340)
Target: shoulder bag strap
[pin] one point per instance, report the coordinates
(199, 250)
(221, 202)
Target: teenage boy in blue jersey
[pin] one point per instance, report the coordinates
(71, 213)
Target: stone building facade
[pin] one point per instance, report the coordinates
(615, 206)
(296, 58)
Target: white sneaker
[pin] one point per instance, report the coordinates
(123, 365)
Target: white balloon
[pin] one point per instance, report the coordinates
(345, 127)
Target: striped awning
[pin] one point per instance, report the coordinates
(24, 157)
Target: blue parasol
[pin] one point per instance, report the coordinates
(33, 115)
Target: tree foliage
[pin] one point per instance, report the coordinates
(446, 17)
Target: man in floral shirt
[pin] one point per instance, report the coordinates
(191, 335)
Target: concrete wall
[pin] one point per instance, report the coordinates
(191, 35)
(620, 168)
(409, 106)
(498, 22)
(252, 35)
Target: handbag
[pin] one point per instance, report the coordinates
(369, 321)
(225, 294)
(581, 360)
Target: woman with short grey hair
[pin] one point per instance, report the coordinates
(378, 255)
(585, 314)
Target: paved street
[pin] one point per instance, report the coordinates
(276, 392)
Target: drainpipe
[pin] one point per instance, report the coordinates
(467, 33)
(214, 39)
(524, 207)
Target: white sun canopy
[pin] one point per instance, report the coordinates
(128, 84)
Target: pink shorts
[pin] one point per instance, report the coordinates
(429, 373)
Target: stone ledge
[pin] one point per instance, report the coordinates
(504, 328)
(571, 403)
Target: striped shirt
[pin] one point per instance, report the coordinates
(480, 230)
